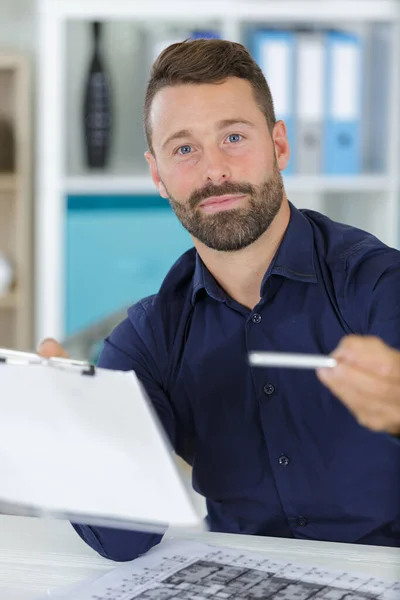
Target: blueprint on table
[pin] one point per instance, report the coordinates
(186, 570)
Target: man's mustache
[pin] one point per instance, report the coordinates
(220, 190)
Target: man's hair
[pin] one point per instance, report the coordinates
(206, 61)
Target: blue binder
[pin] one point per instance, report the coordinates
(343, 135)
(198, 34)
(274, 51)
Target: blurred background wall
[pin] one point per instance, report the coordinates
(93, 236)
(18, 25)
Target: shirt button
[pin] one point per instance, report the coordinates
(284, 460)
(256, 318)
(302, 521)
(269, 389)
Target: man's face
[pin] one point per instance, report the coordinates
(214, 159)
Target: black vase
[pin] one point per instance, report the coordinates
(97, 108)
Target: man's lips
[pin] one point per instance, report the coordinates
(221, 202)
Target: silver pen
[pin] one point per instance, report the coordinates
(291, 360)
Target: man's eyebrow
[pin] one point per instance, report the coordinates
(229, 122)
(185, 133)
(177, 135)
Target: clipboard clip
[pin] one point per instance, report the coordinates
(14, 357)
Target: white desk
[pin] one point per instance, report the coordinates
(37, 555)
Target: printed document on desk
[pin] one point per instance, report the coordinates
(185, 570)
(88, 449)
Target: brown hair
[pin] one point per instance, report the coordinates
(206, 61)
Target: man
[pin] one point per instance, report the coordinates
(273, 451)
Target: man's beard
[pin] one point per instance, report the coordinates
(232, 230)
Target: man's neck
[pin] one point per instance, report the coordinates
(241, 273)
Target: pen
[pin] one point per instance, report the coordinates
(291, 360)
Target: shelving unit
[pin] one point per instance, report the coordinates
(16, 304)
(9, 300)
(109, 183)
(8, 182)
(370, 201)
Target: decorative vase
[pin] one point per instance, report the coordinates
(97, 107)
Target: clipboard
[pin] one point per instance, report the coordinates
(84, 444)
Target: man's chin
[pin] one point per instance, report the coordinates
(228, 244)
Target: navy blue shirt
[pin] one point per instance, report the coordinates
(272, 450)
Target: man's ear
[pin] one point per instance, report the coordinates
(281, 144)
(154, 174)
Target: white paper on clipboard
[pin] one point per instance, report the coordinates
(88, 449)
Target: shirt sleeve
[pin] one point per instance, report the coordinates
(373, 294)
(129, 347)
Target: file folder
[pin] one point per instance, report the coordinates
(343, 143)
(274, 51)
(84, 444)
(311, 67)
(204, 34)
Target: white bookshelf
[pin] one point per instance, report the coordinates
(115, 183)
(370, 201)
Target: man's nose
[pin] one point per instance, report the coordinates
(217, 166)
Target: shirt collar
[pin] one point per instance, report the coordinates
(295, 256)
(202, 279)
(293, 260)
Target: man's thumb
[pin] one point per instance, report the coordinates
(49, 348)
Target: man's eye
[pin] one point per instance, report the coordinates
(234, 137)
(184, 149)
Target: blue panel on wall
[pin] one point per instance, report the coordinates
(118, 250)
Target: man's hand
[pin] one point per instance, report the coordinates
(49, 348)
(367, 381)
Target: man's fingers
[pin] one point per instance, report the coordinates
(371, 399)
(349, 383)
(49, 348)
(370, 354)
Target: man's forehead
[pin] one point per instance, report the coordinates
(232, 87)
(177, 105)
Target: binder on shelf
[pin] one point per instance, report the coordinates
(204, 34)
(82, 443)
(274, 51)
(343, 135)
(310, 61)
